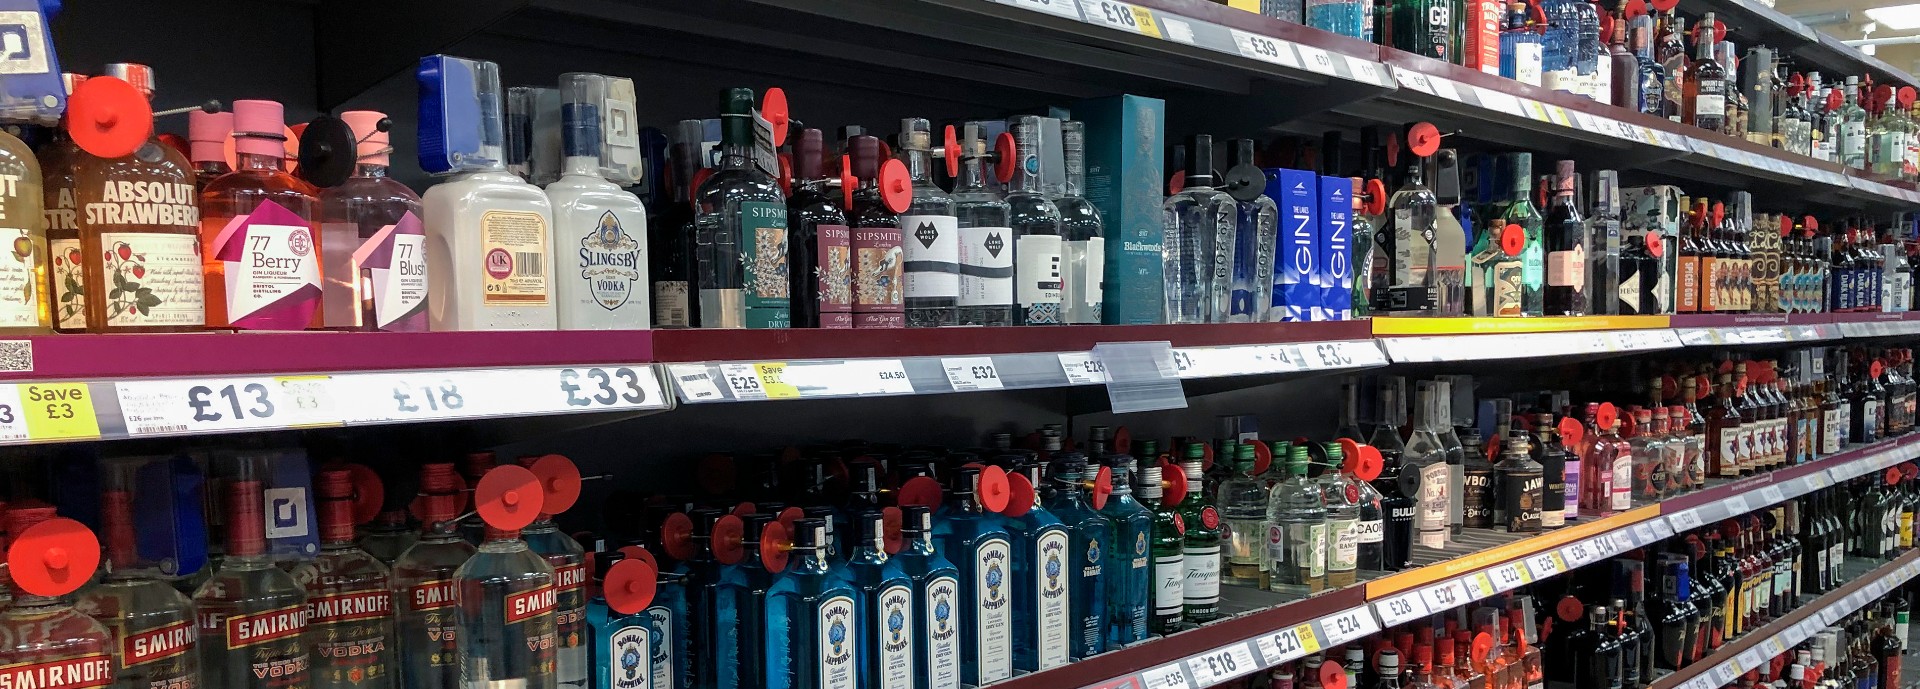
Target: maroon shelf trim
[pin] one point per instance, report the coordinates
(96, 357)
(1746, 485)
(809, 343)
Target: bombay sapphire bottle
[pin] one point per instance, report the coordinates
(1126, 571)
(703, 599)
(621, 646)
(667, 620)
(885, 602)
(742, 607)
(979, 545)
(1087, 533)
(1041, 554)
(814, 607)
(936, 598)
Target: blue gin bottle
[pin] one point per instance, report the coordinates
(620, 639)
(936, 602)
(703, 600)
(980, 549)
(667, 621)
(1126, 571)
(886, 607)
(742, 607)
(813, 610)
(1041, 555)
(1088, 535)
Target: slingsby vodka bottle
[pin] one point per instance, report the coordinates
(1083, 247)
(1038, 269)
(599, 229)
(930, 233)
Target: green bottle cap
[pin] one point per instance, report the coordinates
(1297, 459)
(1149, 448)
(1334, 454)
(1196, 451)
(1243, 458)
(736, 116)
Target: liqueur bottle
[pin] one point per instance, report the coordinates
(884, 597)
(149, 244)
(600, 227)
(259, 235)
(1126, 570)
(1083, 242)
(153, 621)
(876, 244)
(1197, 250)
(59, 159)
(1397, 506)
(1088, 533)
(1522, 487)
(24, 304)
(47, 642)
(740, 228)
(819, 607)
(207, 135)
(1168, 547)
(1565, 236)
(488, 253)
(970, 533)
(821, 243)
(251, 613)
(504, 596)
(1036, 222)
(1706, 81)
(349, 633)
(930, 232)
(373, 261)
(423, 585)
(936, 603)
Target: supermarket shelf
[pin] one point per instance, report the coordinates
(1749, 329)
(1878, 324)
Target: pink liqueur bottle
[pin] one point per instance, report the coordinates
(259, 243)
(374, 263)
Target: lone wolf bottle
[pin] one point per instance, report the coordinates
(423, 586)
(251, 614)
(984, 556)
(349, 600)
(930, 235)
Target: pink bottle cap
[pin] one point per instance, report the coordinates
(139, 75)
(207, 134)
(372, 148)
(259, 127)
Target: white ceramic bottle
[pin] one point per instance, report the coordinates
(599, 229)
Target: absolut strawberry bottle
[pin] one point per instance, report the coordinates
(251, 613)
(423, 586)
(152, 621)
(349, 599)
(44, 642)
(504, 597)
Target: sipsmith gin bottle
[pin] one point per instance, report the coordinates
(740, 229)
(982, 552)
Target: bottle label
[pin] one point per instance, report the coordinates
(1568, 268)
(763, 257)
(69, 283)
(943, 635)
(531, 603)
(1522, 496)
(1853, 140)
(878, 293)
(670, 303)
(1039, 278)
(612, 262)
(1431, 521)
(1730, 451)
(660, 646)
(1477, 498)
(570, 600)
(272, 272)
(1505, 285)
(994, 640)
(352, 629)
(172, 640)
(1278, 558)
(836, 637)
(932, 244)
(1371, 531)
(1051, 574)
(986, 266)
(268, 641)
(1623, 482)
(1201, 587)
(513, 259)
(90, 670)
(1345, 537)
(20, 283)
(1906, 531)
(833, 271)
(427, 621)
(1526, 62)
(628, 654)
(894, 624)
(1830, 435)
(1083, 283)
(153, 279)
(1169, 587)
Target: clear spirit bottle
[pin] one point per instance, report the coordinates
(1198, 256)
(1444, 424)
(349, 632)
(936, 601)
(153, 621)
(389, 535)
(986, 236)
(373, 246)
(251, 613)
(884, 597)
(740, 228)
(1426, 457)
(1042, 559)
(931, 234)
(1088, 533)
(504, 599)
(1243, 502)
(1410, 248)
(423, 583)
(1520, 46)
(1168, 547)
(968, 532)
(1126, 570)
(44, 641)
(1297, 530)
(816, 607)
(597, 224)
(1037, 233)
(1203, 538)
(1256, 237)
(1084, 245)
(1853, 127)
(569, 563)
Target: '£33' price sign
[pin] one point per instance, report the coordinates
(604, 387)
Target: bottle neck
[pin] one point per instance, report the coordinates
(258, 162)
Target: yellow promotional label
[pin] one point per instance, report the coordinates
(1248, 5)
(773, 380)
(1308, 640)
(58, 411)
(1147, 27)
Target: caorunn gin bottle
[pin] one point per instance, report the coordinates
(885, 602)
(1042, 551)
(599, 227)
(815, 608)
(251, 614)
(973, 537)
(1087, 533)
(44, 642)
(423, 586)
(936, 602)
(349, 598)
(740, 229)
(504, 596)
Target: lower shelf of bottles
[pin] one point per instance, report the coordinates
(1263, 629)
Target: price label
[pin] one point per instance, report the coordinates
(1363, 70)
(1332, 355)
(1308, 639)
(1724, 673)
(1257, 47)
(1510, 576)
(772, 378)
(1622, 541)
(1349, 625)
(1169, 676)
(1444, 88)
(1580, 553)
(1445, 596)
(1315, 59)
(1875, 589)
(1478, 585)
(1283, 645)
(1082, 369)
(159, 407)
(1413, 80)
(1682, 521)
(1120, 15)
(1401, 609)
(1817, 480)
(972, 373)
(876, 376)
(1661, 530)
(1546, 564)
(1750, 659)
(744, 381)
(1536, 110)
(1558, 115)
(695, 382)
(1501, 101)
(58, 411)
(1064, 8)
(594, 388)
(1772, 494)
(1221, 664)
(1775, 646)
(1736, 505)
(13, 420)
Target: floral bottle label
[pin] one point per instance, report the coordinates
(153, 279)
(272, 269)
(833, 273)
(69, 284)
(763, 253)
(878, 291)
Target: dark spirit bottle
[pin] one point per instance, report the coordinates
(672, 264)
(1565, 235)
(1706, 82)
(251, 613)
(740, 221)
(1522, 487)
(349, 602)
(820, 243)
(936, 603)
(1397, 504)
(1676, 619)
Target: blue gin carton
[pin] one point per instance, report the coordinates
(1125, 149)
(1296, 292)
(1335, 274)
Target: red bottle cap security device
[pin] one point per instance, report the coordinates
(559, 481)
(629, 584)
(49, 556)
(508, 498)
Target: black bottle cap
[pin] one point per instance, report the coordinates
(603, 561)
(916, 519)
(1200, 161)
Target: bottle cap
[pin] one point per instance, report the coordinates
(137, 75)
(258, 127)
(208, 136)
(441, 494)
(333, 490)
(49, 556)
(245, 518)
(629, 585)
(508, 498)
(597, 122)
(1199, 172)
(371, 138)
(460, 115)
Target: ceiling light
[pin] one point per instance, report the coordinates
(1897, 17)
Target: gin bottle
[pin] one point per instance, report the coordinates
(504, 598)
(884, 597)
(622, 643)
(598, 226)
(1297, 530)
(821, 243)
(1429, 28)
(668, 617)
(968, 532)
(1038, 251)
(741, 626)
(1087, 541)
(1083, 246)
(349, 634)
(1565, 247)
(1243, 502)
(936, 601)
(816, 609)
(877, 245)
(1197, 250)
(1520, 46)
(423, 585)
(986, 237)
(1202, 541)
(1256, 237)
(930, 233)
(1168, 548)
(740, 229)
(1426, 457)
(1444, 423)
(1520, 212)
(153, 622)
(259, 232)
(1853, 126)
(1042, 555)
(44, 641)
(1126, 568)
(1411, 284)
(251, 613)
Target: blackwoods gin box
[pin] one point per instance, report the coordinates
(1126, 137)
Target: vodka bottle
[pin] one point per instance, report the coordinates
(568, 561)
(1198, 249)
(423, 586)
(504, 600)
(598, 226)
(153, 621)
(349, 632)
(251, 613)
(47, 643)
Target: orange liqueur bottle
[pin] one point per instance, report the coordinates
(139, 234)
(259, 242)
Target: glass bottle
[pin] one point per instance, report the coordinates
(884, 597)
(621, 631)
(1084, 246)
(1243, 503)
(1203, 537)
(44, 641)
(389, 534)
(59, 159)
(1520, 46)
(878, 290)
(1088, 532)
(1127, 558)
(1675, 618)
(1343, 495)
(1520, 212)
(983, 554)
(818, 606)
(1480, 490)
(24, 304)
(670, 231)
(1522, 487)
(1297, 530)
(153, 622)
(1398, 506)
(349, 597)
(1429, 28)
(740, 221)
(568, 561)
(1168, 547)
(820, 241)
(251, 613)
(1706, 82)
(986, 236)
(936, 599)
(1566, 249)
(373, 244)
(746, 618)
(423, 585)
(1256, 237)
(1624, 72)
(597, 224)
(1425, 456)
(1199, 225)
(1041, 553)
(504, 614)
(1853, 126)
(260, 222)
(1038, 249)
(932, 234)
(1444, 422)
